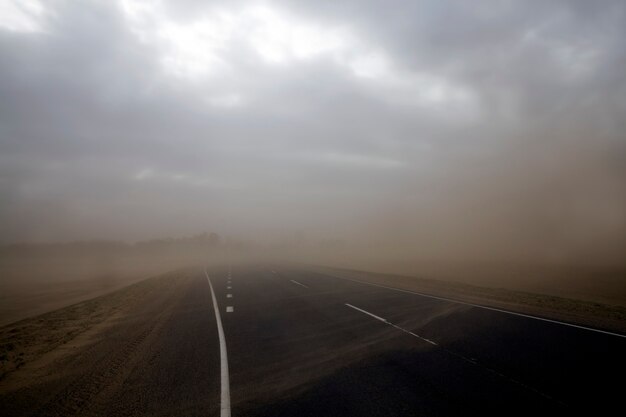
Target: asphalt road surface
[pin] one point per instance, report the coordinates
(298, 343)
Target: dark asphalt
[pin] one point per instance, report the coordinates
(297, 349)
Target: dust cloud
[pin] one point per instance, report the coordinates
(476, 143)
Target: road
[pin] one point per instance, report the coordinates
(299, 343)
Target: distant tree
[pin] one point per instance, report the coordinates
(214, 239)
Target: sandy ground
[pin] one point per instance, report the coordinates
(32, 286)
(74, 360)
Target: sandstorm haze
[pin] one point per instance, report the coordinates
(441, 130)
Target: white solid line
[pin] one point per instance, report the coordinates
(298, 283)
(225, 399)
(480, 306)
(391, 324)
(229, 296)
(230, 309)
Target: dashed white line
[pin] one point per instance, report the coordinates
(298, 283)
(225, 396)
(392, 325)
(470, 360)
(230, 309)
(228, 287)
(229, 296)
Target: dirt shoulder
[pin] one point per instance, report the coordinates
(147, 349)
(27, 341)
(30, 286)
(584, 313)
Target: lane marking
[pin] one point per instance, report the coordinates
(298, 283)
(225, 396)
(591, 329)
(392, 325)
(229, 287)
(229, 296)
(230, 309)
(458, 355)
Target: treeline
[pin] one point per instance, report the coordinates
(203, 241)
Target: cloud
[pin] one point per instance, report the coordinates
(434, 120)
(22, 16)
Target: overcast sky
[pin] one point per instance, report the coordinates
(357, 119)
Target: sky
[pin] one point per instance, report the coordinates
(469, 128)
